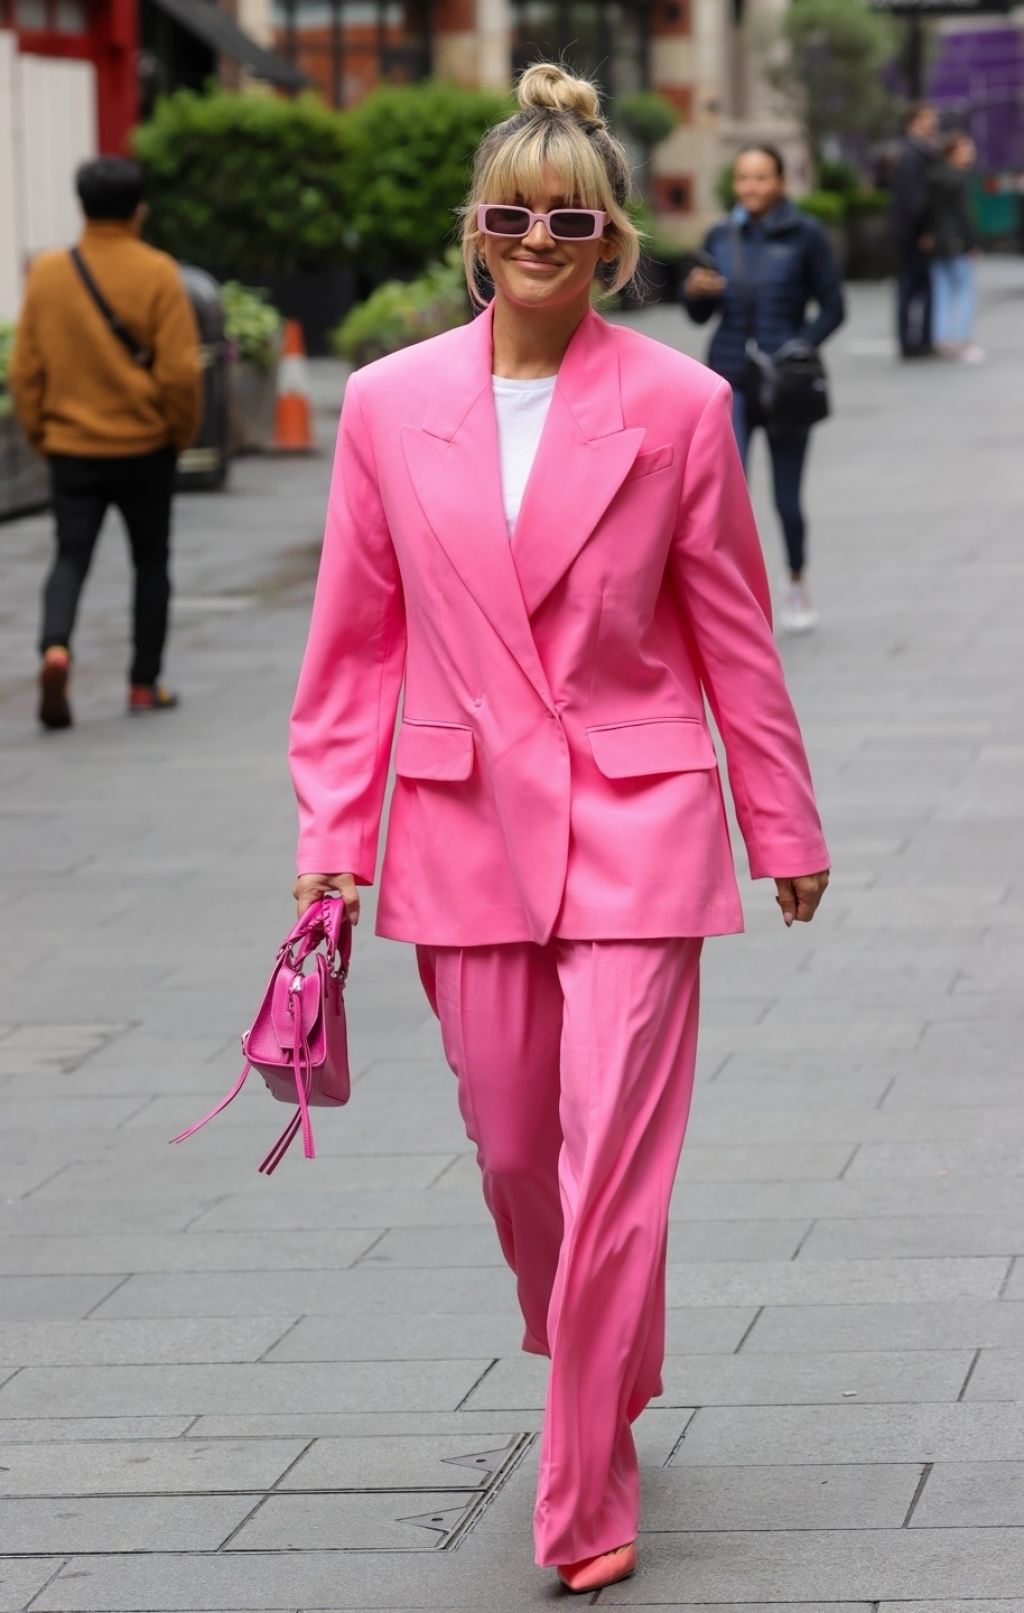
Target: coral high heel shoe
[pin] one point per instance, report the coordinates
(594, 1573)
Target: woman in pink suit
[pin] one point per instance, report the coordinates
(539, 530)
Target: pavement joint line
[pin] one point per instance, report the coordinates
(147, 1103)
(475, 1386)
(45, 1587)
(125, 1278)
(759, 1312)
(1004, 1285)
(856, 1150)
(888, 1088)
(926, 1472)
(289, 1330)
(189, 1426)
(450, 1166)
(40, 1185)
(970, 1374)
(379, 1239)
(803, 1240)
(685, 1430)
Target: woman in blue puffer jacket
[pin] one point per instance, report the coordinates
(787, 266)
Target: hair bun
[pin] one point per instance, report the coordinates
(546, 87)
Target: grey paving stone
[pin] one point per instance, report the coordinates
(916, 1236)
(92, 1466)
(478, 1246)
(297, 1211)
(37, 1217)
(1015, 1287)
(134, 1391)
(215, 1173)
(964, 1158)
(401, 1462)
(839, 1281)
(738, 1436)
(20, 1179)
(951, 1325)
(999, 1375)
(95, 1343)
(71, 1114)
(845, 1124)
(773, 1498)
(21, 1580)
(198, 1252)
(751, 1380)
(388, 1522)
(40, 1298)
(869, 1199)
(895, 1564)
(959, 1495)
(322, 1293)
(122, 1523)
(70, 1430)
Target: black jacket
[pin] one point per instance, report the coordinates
(948, 217)
(787, 260)
(909, 186)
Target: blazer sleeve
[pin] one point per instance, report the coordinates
(720, 576)
(343, 718)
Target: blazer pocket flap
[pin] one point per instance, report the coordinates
(667, 745)
(654, 459)
(434, 751)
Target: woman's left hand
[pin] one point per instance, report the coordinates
(798, 898)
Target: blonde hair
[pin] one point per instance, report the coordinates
(559, 122)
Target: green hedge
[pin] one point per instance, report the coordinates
(402, 312)
(6, 349)
(255, 188)
(826, 205)
(252, 325)
(246, 186)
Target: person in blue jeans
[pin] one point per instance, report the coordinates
(952, 265)
(786, 266)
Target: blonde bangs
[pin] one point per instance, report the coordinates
(511, 163)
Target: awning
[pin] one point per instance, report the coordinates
(206, 20)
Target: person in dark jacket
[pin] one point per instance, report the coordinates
(786, 265)
(909, 203)
(952, 229)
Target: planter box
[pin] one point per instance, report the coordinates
(252, 396)
(24, 476)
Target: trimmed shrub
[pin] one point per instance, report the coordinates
(402, 312)
(246, 186)
(824, 205)
(647, 117)
(6, 349)
(408, 157)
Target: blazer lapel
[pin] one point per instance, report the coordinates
(584, 456)
(455, 470)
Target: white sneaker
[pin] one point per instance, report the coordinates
(972, 354)
(797, 615)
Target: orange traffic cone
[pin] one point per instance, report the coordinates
(293, 420)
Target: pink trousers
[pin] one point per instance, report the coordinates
(575, 1066)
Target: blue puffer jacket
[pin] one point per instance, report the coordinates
(787, 259)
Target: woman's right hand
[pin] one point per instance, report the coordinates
(704, 283)
(310, 887)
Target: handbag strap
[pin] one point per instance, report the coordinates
(141, 355)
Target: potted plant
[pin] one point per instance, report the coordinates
(253, 329)
(402, 312)
(24, 484)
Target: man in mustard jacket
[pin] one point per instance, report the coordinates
(107, 384)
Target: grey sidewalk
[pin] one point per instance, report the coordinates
(220, 1394)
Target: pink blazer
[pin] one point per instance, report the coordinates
(555, 772)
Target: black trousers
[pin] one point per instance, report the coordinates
(788, 452)
(141, 487)
(914, 300)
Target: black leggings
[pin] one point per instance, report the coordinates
(789, 455)
(83, 490)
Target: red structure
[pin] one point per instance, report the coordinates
(104, 32)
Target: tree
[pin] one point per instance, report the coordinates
(828, 62)
(648, 118)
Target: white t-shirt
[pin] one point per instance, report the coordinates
(522, 408)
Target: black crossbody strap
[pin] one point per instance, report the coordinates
(141, 355)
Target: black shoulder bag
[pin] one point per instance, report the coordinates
(140, 355)
(786, 391)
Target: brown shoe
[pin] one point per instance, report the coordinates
(150, 697)
(54, 709)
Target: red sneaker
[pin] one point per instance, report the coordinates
(54, 709)
(150, 697)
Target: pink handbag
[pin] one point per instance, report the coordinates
(298, 1040)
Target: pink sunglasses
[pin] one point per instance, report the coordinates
(562, 224)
